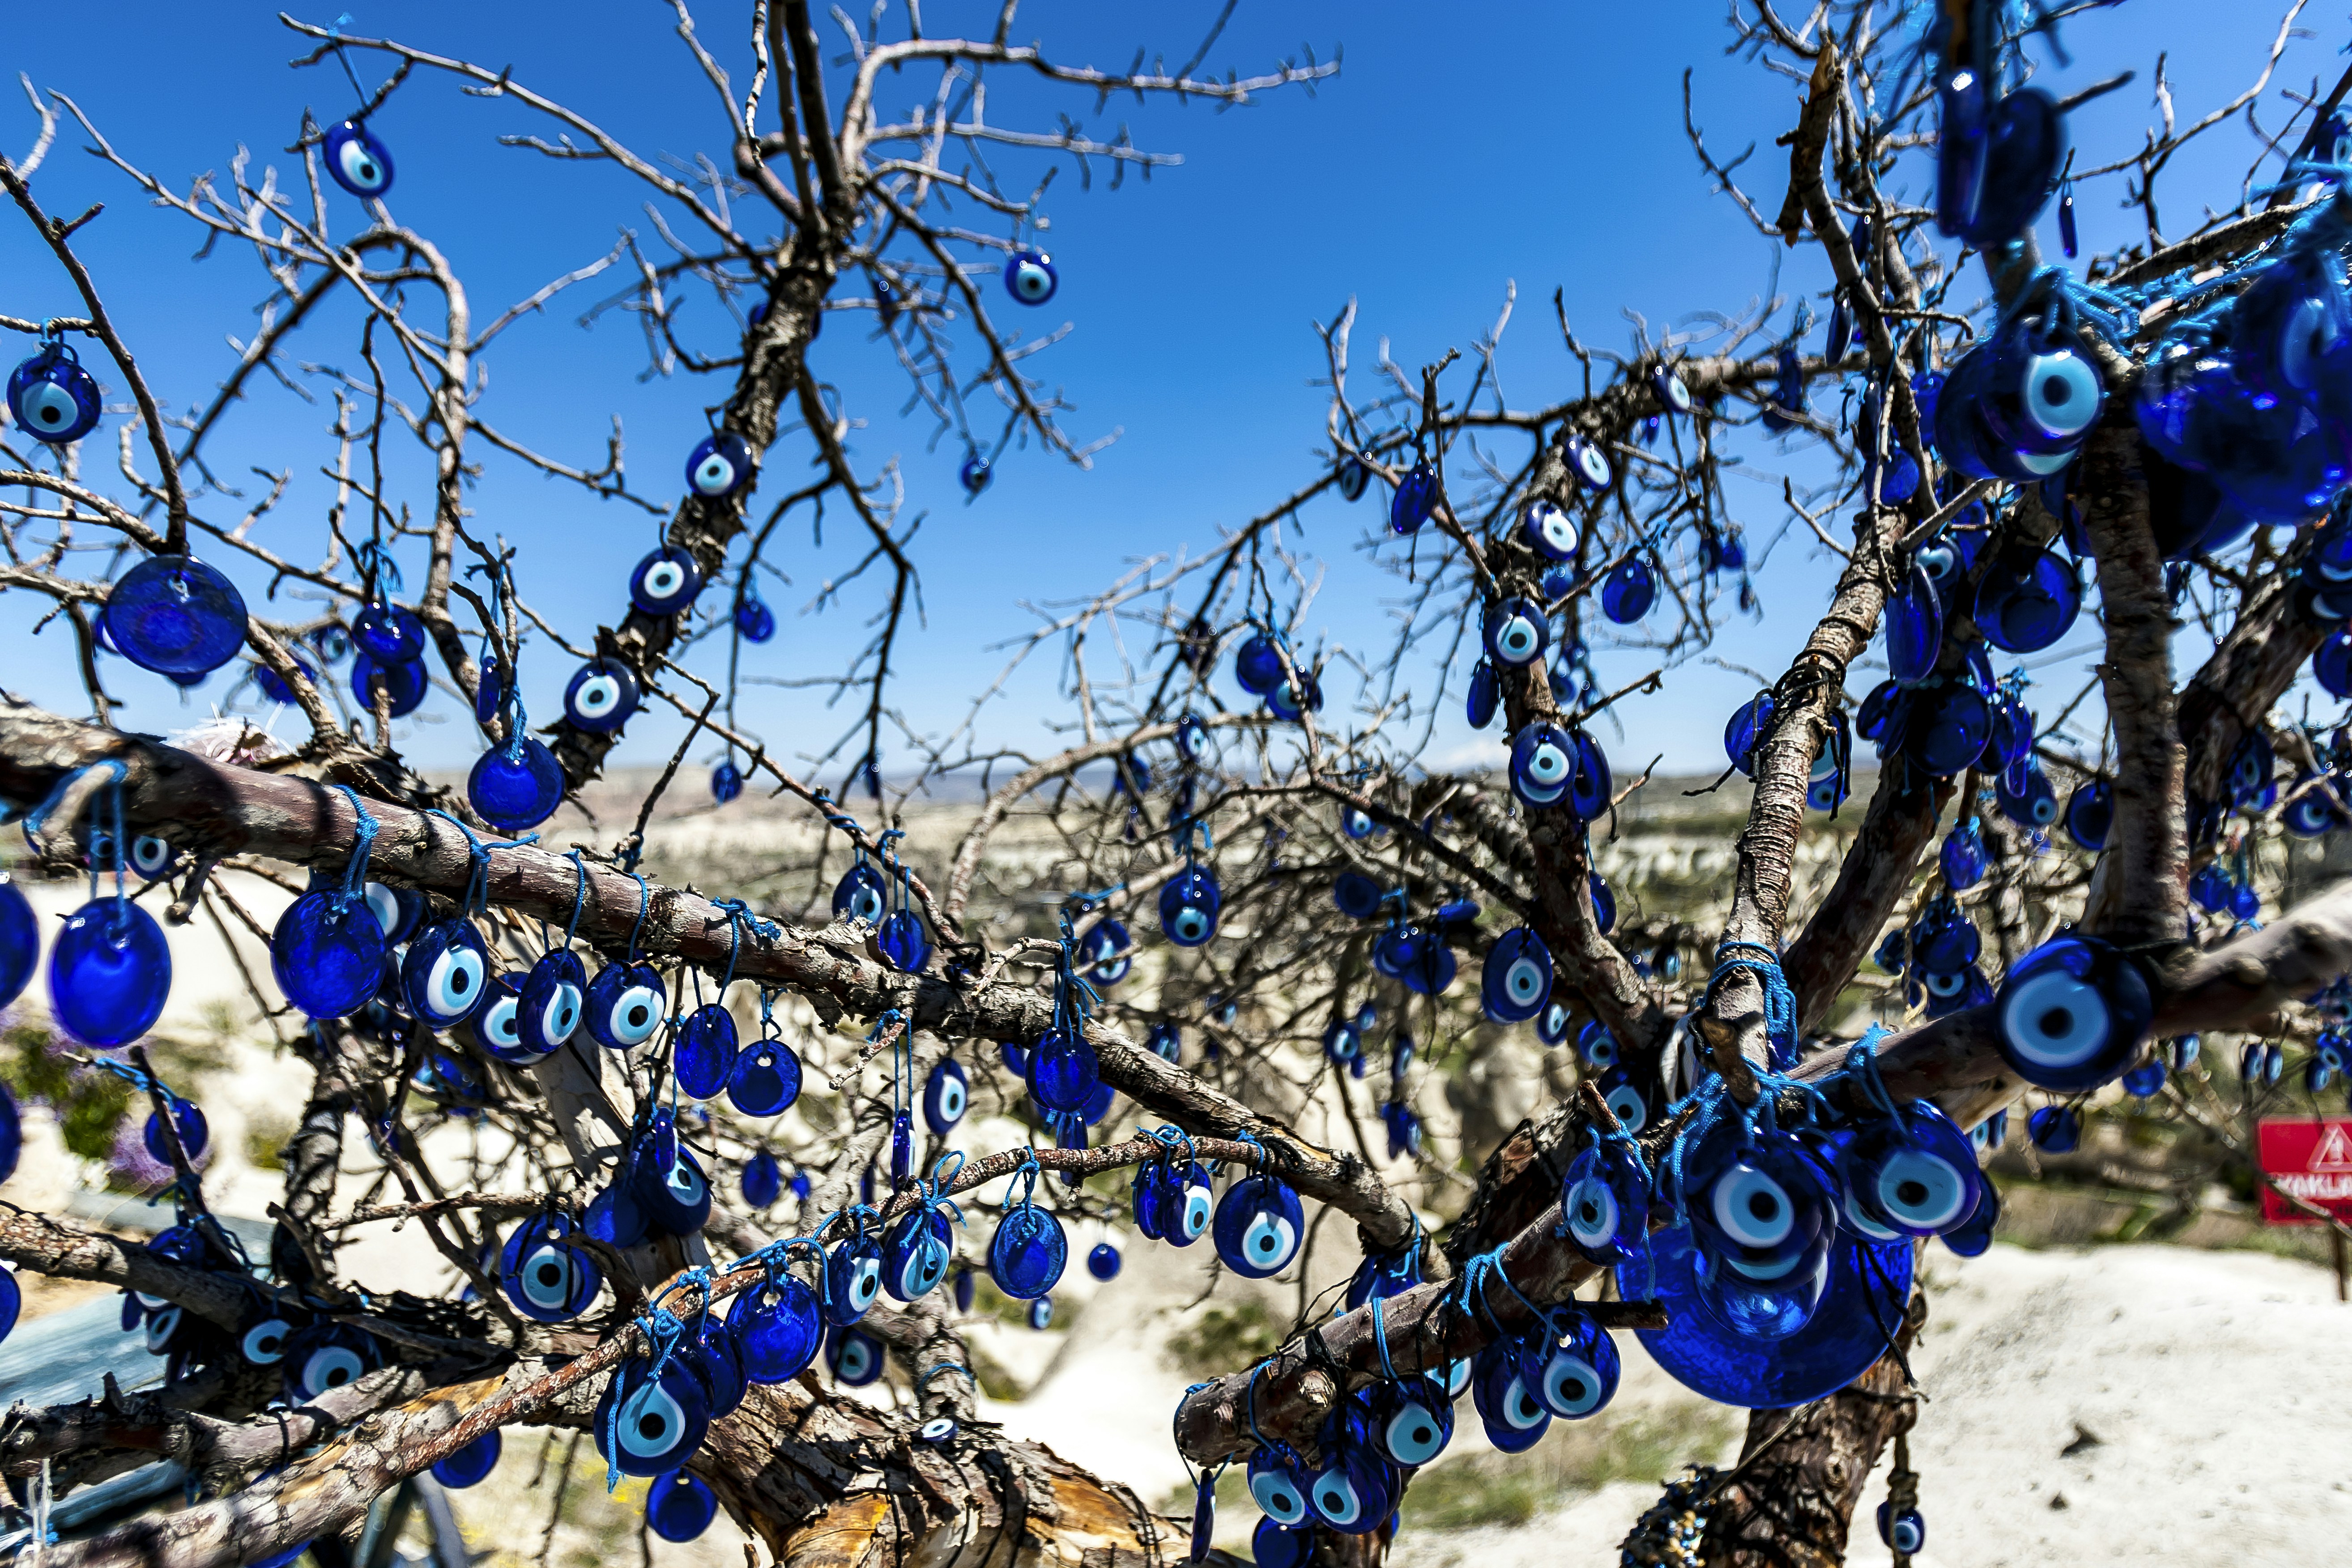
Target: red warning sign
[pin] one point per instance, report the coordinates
(2310, 1158)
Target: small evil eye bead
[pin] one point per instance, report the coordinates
(1580, 1377)
(1356, 823)
(1626, 1103)
(1192, 1210)
(656, 1421)
(947, 1094)
(1276, 1490)
(665, 582)
(720, 465)
(1192, 738)
(1543, 760)
(937, 1430)
(1751, 1207)
(1041, 1313)
(1549, 530)
(1587, 462)
(1671, 394)
(1515, 1418)
(1906, 1531)
(1418, 1421)
(51, 399)
(498, 1023)
(602, 696)
(553, 1001)
(446, 975)
(2072, 1013)
(1353, 478)
(1031, 278)
(1516, 632)
(151, 856)
(1332, 1495)
(2061, 395)
(357, 161)
(754, 622)
(1551, 1023)
(625, 1006)
(974, 474)
(264, 1344)
(1518, 977)
(1595, 1045)
(855, 1357)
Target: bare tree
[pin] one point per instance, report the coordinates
(1507, 528)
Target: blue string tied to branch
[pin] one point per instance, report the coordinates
(1780, 1000)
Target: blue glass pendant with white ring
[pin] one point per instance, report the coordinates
(327, 954)
(1587, 461)
(1543, 762)
(1258, 1226)
(446, 973)
(1517, 979)
(52, 398)
(1031, 277)
(545, 1273)
(176, 615)
(1104, 952)
(553, 1001)
(649, 1423)
(602, 696)
(1503, 1388)
(916, 1253)
(1548, 530)
(1604, 1202)
(1578, 1374)
(2072, 1013)
(720, 464)
(665, 582)
(861, 895)
(1912, 1175)
(626, 1003)
(515, 786)
(109, 973)
(1516, 632)
(1188, 904)
(947, 1094)
(357, 161)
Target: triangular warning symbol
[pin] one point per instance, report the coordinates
(2334, 1151)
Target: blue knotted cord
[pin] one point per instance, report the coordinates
(478, 861)
(1780, 1000)
(645, 898)
(363, 831)
(1861, 1070)
(579, 898)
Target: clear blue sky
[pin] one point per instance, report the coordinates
(1459, 150)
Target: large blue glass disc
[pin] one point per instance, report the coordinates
(176, 615)
(110, 972)
(516, 789)
(403, 683)
(327, 953)
(766, 1079)
(705, 1051)
(1860, 1308)
(20, 943)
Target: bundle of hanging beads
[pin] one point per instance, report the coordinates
(1672, 1531)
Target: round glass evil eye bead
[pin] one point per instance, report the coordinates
(655, 1423)
(860, 895)
(553, 999)
(1516, 632)
(1189, 905)
(1274, 1486)
(1587, 461)
(2072, 1013)
(446, 973)
(357, 161)
(1604, 1202)
(602, 696)
(1548, 530)
(946, 1095)
(176, 615)
(327, 953)
(1028, 1252)
(405, 684)
(1502, 1386)
(665, 582)
(1578, 1376)
(517, 787)
(1517, 983)
(1258, 664)
(1913, 1175)
(1029, 277)
(754, 622)
(974, 474)
(51, 399)
(679, 1507)
(1258, 1226)
(720, 465)
(1543, 763)
(389, 633)
(625, 1006)
(110, 972)
(1353, 478)
(766, 1079)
